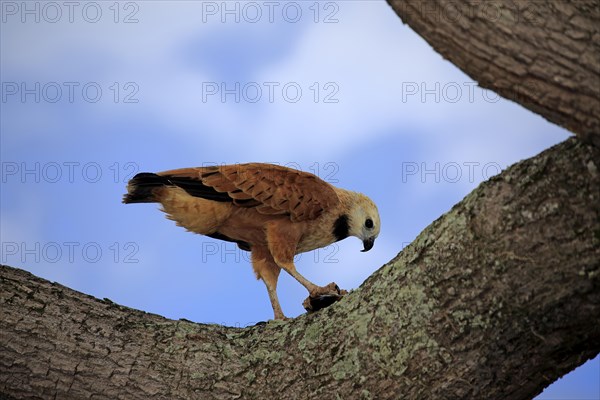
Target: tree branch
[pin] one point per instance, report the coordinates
(496, 299)
(544, 55)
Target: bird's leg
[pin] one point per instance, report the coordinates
(290, 268)
(267, 270)
(319, 296)
(282, 243)
(277, 311)
(313, 290)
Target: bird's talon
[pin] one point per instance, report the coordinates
(323, 297)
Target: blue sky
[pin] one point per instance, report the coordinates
(93, 94)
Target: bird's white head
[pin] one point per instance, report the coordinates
(363, 220)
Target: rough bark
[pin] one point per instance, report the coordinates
(544, 55)
(496, 299)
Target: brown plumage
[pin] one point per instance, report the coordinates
(275, 212)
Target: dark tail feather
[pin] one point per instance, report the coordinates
(141, 188)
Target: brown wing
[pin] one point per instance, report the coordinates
(271, 189)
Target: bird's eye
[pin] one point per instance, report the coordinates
(369, 223)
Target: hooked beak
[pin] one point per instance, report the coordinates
(368, 243)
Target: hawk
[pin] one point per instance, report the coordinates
(274, 212)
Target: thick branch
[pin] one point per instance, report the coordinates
(544, 55)
(494, 300)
